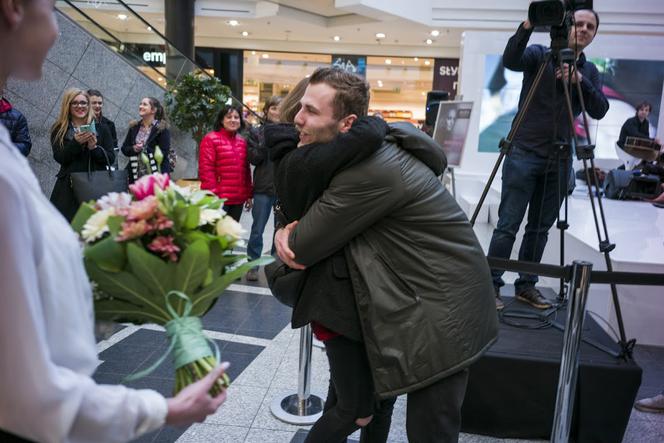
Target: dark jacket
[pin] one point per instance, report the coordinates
(17, 126)
(301, 176)
(74, 157)
(634, 128)
(159, 136)
(421, 281)
(111, 129)
(257, 154)
(537, 132)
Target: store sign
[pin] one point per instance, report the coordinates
(446, 75)
(155, 58)
(357, 64)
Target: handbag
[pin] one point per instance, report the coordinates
(285, 283)
(92, 185)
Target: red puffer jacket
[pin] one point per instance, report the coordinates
(223, 167)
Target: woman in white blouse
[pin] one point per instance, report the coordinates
(47, 347)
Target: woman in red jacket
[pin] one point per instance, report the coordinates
(223, 167)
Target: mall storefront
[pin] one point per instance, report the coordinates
(399, 85)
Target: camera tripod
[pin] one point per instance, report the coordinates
(560, 54)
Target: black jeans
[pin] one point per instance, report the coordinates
(235, 211)
(433, 413)
(350, 396)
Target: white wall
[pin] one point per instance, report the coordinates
(476, 45)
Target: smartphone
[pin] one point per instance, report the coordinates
(88, 128)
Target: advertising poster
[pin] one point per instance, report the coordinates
(452, 128)
(357, 64)
(625, 83)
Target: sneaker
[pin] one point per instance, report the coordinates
(653, 404)
(534, 298)
(499, 301)
(252, 275)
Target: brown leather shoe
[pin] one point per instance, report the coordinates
(534, 298)
(653, 404)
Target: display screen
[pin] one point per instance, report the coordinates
(626, 83)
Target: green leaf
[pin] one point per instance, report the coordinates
(204, 299)
(192, 218)
(115, 224)
(84, 212)
(108, 254)
(123, 311)
(192, 267)
(153, 270)
(128, 289)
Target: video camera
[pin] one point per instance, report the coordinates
(554, 13)
(556, 16)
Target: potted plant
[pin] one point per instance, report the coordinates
(193, 102)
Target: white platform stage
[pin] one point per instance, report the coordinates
(637, 230)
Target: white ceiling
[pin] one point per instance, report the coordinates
(310, 25)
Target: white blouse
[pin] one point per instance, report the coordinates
(47, 347)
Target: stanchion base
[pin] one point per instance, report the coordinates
(286, 408)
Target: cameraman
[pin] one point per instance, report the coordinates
(534, 174)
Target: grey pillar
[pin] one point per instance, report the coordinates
(180, 17)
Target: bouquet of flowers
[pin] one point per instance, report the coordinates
(162, 254)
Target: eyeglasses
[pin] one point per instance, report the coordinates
(80, 104)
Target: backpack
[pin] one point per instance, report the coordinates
(622, 185)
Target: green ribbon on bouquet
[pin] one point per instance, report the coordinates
(188, 343)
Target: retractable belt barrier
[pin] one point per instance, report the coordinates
(565, 272)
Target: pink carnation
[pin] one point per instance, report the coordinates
(145, 186)
(165, 246)
(133, 229)
(144, 209)
(161, 222)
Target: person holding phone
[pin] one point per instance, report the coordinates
(144, 136)
(77, 142)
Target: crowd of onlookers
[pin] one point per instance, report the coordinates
(84, 139)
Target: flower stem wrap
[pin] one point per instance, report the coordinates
(188, 343)
(192, 356)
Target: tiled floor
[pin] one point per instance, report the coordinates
(252, 331)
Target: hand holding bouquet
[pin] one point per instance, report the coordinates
(162, 254)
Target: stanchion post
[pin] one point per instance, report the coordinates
(569, 362)
(302, 408)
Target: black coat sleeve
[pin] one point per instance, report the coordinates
(591, 87)
(64, 153)
(128, 144)
(256, 149)
(114, 133)
(104, 146)
(21, 136)
(324, 160)
(517, 57)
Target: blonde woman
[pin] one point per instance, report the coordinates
(74, 142)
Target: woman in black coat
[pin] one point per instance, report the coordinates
(75, 149)
(144, 136)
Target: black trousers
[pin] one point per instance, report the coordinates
(350, 396)
(235, 211)
(433, 413)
